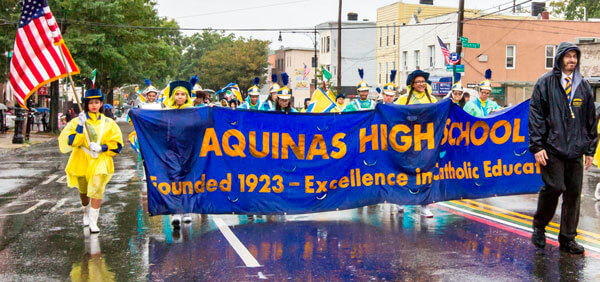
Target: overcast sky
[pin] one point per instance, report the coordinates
(218, 14)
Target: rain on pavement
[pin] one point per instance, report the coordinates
(42, 237)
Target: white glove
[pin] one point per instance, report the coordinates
(95, 147)
(82, 118)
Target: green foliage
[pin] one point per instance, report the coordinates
(94, 34)
(219, 59)
(573, 9)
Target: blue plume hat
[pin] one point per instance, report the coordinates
(254, 89)
(488, 74)
(285, 79)
(148, 82)
(275, 87)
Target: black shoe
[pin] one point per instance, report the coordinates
(572, 247)
(538, 237)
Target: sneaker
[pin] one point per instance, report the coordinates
(538, 237)
(187, 218)
(597, 194)
(176, 220)
(426, 212)
(572, 247)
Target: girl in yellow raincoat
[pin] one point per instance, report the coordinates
(93, 140)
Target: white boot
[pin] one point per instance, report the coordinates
(597, 194)
(86, 215)
(176, 220)
(94, 213)
(426, 212)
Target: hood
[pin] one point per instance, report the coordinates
(562, 49)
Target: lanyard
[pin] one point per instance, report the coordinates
(483, 109)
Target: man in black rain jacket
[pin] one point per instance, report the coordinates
(562, 129)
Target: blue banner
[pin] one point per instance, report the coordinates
(215, 160)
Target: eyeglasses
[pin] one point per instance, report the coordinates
(420, 82)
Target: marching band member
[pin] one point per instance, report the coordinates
(419, 90)
(253, 102)
(284, 96)
(483, 106)
(457, 94)
(388, 93)
(93, 140)
(361, 104)
(340, 101)
(151, 94)
(269, 104)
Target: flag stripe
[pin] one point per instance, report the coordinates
(24, 53)
(32, 40)
(53, 49)
(18, 73)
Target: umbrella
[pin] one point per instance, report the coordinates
(3, 107)
(107, 106)
(42, 109)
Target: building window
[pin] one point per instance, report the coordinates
(394, 34)
(550, 51)
(511, 54)
(387, 70)
(417, 54)
(380, 36)
(431, 49)
(328, 44)
(380, 73)
(387, 35)
(405, 60)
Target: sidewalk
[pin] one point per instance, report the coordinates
(34, 138)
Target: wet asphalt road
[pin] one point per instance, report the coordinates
(41, 237)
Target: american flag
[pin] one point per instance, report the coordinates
(306, 72)
(36, 58)
(445, 51)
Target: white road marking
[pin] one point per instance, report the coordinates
(30, 209)
(62, 180)
(58, 204)
(555, 237)
(50, 179)
(235, 243)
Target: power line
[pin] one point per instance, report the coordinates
(243, 9)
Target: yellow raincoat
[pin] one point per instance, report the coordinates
(170, 101)
(417, 98)
(90, 175)
(596, 161)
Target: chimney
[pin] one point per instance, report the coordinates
(537, 8)
(352, 17)
(545, 15)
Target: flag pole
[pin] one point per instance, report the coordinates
(62, 55)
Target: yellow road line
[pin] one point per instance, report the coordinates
(588, 233)
(548, 228)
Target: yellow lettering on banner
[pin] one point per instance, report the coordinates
(275, 146)
(211, 185)
(427, 136)
(287, 142)
(406, 140)
(344, 182)
(487, 169)
(225, 184)
(308, 184)
(379, 179)
(464, 134)
(528, 168)
(384, 137)
(317, 148)
(339, 144)
(507, 131)
(446, 133)
(164, 188)
(265, 145)
(390, 179)
(176, 189)
(210, 143)
(401, 179)
(188, 188)
(518, 168)
(373, 138)
(516, 129)
(332, 185)
(199, 185)
(322, 186)
(235, 150)
(486, 132)
(367, 179)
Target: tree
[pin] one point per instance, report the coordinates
(574, 9)
(125, 40)
(219, 59)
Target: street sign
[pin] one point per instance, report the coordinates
(454, 58)
(471, 85)
(42, 91)
(471, 45)
(459, 68)
(464, 39)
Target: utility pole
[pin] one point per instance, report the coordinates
(461, 17)
(315, 63)
(339, 51)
